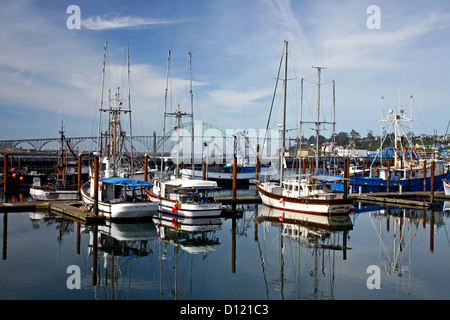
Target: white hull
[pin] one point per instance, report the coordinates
(304, 205)
(44, 195)
(446, 187)
(120, 210)
(188, 210)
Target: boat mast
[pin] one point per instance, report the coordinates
(283, 124)
(99, 138)
(165, 110)
(192, 115)
(316, 169)
(129, 112)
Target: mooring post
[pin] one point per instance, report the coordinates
(146, 167)
(96, 185)
(257, 167)
(79, 177)
(234, 181)
(204, 167)
(388, 173)
(424, 175)
(346, 176)
(432, 182)
(5, 176)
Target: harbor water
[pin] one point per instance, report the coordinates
(377, 253)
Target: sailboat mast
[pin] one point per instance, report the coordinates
(129, 112)
(316, 169)
(283, 124)
(165, 110)
(192, 114)
(99, 138)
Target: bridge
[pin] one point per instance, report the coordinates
(217, 141)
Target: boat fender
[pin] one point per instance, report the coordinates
(174, 208)
(376, 169)
(281, 200)
(281, 218)
(413, 173)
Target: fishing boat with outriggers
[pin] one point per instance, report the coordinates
(410, 170)
(187, 196)
(302, 193)
(114, 189)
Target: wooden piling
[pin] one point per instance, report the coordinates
(424, 175)
(388, 174)
(204, 168)
(146, 167)
(432, 182)
(5, 176)
(79, 177)
(234, 181)
(96, 185)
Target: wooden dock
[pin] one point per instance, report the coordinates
(67, 208)
(408, 199)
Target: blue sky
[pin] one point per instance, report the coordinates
(51, 73)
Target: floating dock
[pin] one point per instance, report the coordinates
(68, 208)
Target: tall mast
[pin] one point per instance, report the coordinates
(165, 110)
(283, 124)
(316, 169)
(99, 150)
(129, 112)
(192, 114)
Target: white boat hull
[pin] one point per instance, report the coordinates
(446, 187)
(40, 194)
(188, 210)
(304, 205)
(121, 210)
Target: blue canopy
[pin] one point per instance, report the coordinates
(123, 181)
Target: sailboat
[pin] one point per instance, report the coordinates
(186, 197)
(304, 194)
(120, 196)
(62, 186)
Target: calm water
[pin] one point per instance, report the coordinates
(263, 255)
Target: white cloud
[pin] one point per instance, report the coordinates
(105, 23)
(234, 99)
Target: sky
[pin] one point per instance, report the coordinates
(51, 72)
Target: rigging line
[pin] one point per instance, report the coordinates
(273, 100)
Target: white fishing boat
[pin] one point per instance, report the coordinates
(446, 183)
(302, 194)
(119, 198)
(181, 196)
(186, 197)
(119, 194)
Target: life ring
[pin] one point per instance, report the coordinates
(376, 169)
(394, 178)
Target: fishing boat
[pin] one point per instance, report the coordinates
(409, 171)
(62, 186)
(120, 195)
(446, 183)
(119, 198)
(186, 197)
(303, 193)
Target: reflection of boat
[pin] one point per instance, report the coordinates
(307, 194)
(311, 244)
(194, 235)
(304, 223)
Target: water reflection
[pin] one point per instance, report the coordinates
(307, 246)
